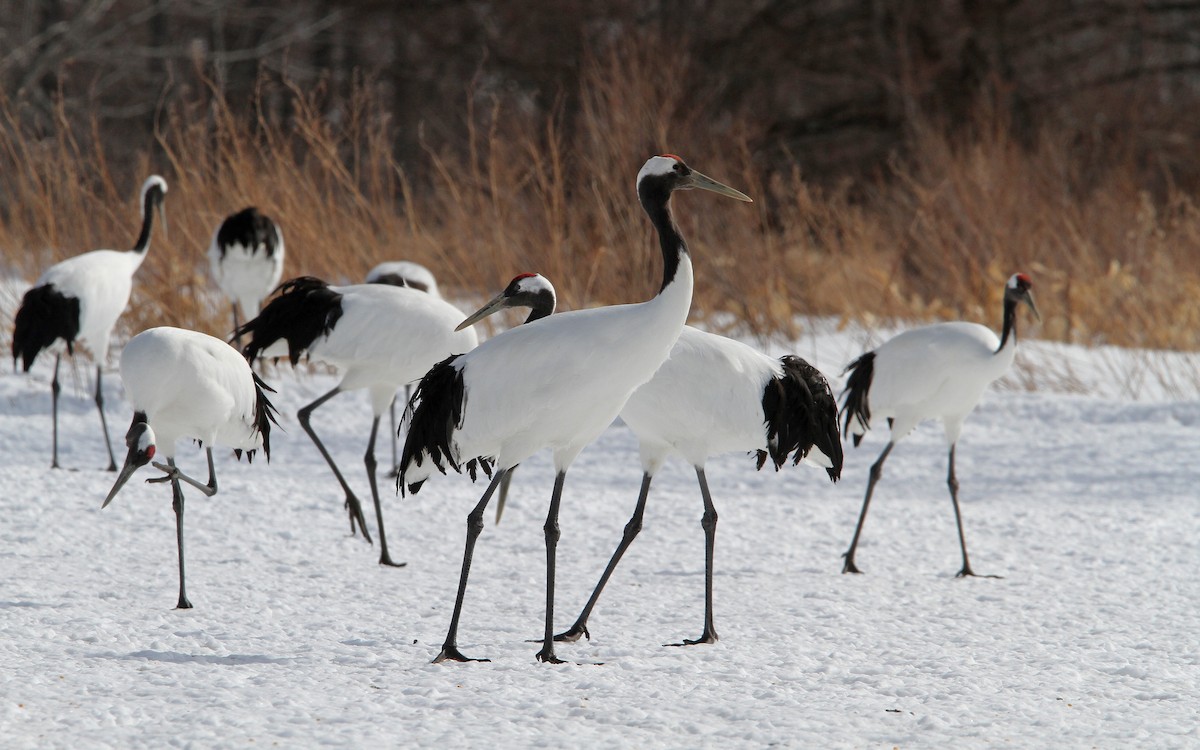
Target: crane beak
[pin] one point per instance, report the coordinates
(499, 302)
(697, 180)
(126, 472)
(162, 214)
(1028, 299)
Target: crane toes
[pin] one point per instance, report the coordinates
(966, 571)
(387, 560)
(850, 567)
(572, 635)
(451, 653)
(546, 656)
(708, 636)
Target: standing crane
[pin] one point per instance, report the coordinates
(713, 395)
(378, 336)
(938, 371)
(557, 382)
(246, 259)
(414, 276)
(185, 384)
(81, 298)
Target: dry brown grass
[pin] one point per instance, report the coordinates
(933, 238)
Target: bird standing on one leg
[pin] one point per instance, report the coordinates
(713, 395)
(378, 336)
(555, 383)
(81, 298)
(246, 259)
(936, 372)
(185, 384)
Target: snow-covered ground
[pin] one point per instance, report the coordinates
(1079, 485)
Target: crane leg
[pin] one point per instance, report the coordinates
(450, 650)
(175, 475)
(395, 472)
(369, 459)
(55, 389)
(551, 531)
(237, 323)
(709, 522)
(952, 483)
(177, 504)
(112, 464)
(632, 527)
(356, 515)
(876, 473)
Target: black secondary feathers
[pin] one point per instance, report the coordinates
(800, 413)
(250, 229)
(304, 309)
(858, 385)
(46, 315)
(264, 416)
(437, 410)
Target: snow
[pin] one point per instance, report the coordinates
(1078, 477)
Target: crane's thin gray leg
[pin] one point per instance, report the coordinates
(709, 522)
(550, 529)
(876, 472)
(55, 389)
(952, 482)
(112, 464)
(369, 459)
(237, 323)
(174, 474)
(450, 650)
(632, 527)
(356, 514)
(177, 504)
(395, 472)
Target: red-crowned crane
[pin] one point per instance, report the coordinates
(185, 384)
(378, 336)
(414, 276)
(938, 371)
(81, 298)
(713, 395)
(246, 259)
(554, 383)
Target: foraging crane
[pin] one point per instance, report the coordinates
(712, 395)
(414, 276)
(81, 298)
(246, 259)
(557, 382)
(377, 335)
(938, 371)
(186, 384)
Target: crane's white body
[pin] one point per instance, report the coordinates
(388, 336)
(938, 371)
(191, 385)
(246, 274)
(101, 280)
(414, 275)
(560, 381)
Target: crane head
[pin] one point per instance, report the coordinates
(530, 290)
(141, 442)
(154, 190)
(1020, 289)
(668, 173)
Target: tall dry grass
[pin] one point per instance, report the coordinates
(933, 236)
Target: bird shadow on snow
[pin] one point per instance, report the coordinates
(175, 657)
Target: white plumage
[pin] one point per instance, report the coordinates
(939, 372)
(712, 395)
(185, 384)
(379, 337)
(80, 299)
(553, 383)
(246, 259)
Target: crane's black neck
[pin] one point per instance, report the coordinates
(656, 200)
(1010, 324)
(541, 305)
(148, 204)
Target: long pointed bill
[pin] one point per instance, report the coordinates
(1029, 301)
(698, 180)
(126, 472)
(162, 214)
(499, 302)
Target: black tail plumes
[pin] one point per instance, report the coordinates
(801, 413)
(305, 309)
(45, 316)
(264, 416)
(437, 410)
(858, 385)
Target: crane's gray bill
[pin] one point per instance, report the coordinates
(697, 180)
(499, 302)
(1028, 298)
(126, 472)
